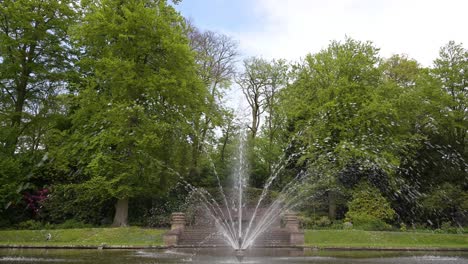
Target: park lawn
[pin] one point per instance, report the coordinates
(137, 236)
(124, 236)
(378, 239)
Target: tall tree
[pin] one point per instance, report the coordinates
(274, 120)
(343, 112)
(139, 87)
(253, 81)
(216, 55)
(451, 69)
(35, 60)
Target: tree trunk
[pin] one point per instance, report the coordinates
(331, 205)
(121, 213)
(254, 121)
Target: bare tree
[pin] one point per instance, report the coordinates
(253, 82)
(216, 56)
(260, 83)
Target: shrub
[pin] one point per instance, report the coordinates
(306, 222)
(367, 222)
(446, 201)
(403, 227)
(156, 217)
(70, 202)
(30, 225)
(368, 209)
(347, 225)
(337, 224)
(323, 221)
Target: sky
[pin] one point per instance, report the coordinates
(290, 29)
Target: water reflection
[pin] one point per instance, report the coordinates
(199, 256)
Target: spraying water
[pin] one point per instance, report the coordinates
(239, 225)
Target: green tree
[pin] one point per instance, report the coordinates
(343, 111)
(35, 63)
(130, 119)
(451, 71)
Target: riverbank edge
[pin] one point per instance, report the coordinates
(305, 247)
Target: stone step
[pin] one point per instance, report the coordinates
(208, 237)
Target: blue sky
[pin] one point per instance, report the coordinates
(220, 15)
(290, 29)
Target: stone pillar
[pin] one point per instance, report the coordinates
(178, 221)
(291, 222)
(171, 238)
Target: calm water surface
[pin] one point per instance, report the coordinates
(222, 256)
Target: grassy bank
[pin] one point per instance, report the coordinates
(135, 236)
(376, 239)
(131, 236)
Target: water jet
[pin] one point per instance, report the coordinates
(240, 254)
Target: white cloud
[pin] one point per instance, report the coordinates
(292, 28)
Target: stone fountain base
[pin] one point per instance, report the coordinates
(204, 236)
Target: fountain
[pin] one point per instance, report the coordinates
(239, 223)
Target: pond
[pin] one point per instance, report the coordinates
(109, 256)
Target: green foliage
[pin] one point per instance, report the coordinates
(30, 225)
(10, 185)
(367, 222)
(323, 221)
(305, 222)
(342, 111)
(128, 101)
(129, 128)
(403, 227)
(79, 203)
(446, 203)
(36, 59)
(369, 209)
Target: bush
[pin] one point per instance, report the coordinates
(403, 227)
(347, 225)
(370, 223)
(323, 221)
(70, 202)
(337, 224)
(30, 225)
(369, 210)
(306, 222)
(156, 217)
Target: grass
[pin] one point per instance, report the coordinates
(136, 236)
(129, 236)
(377, 239)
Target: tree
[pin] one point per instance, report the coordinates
(275, 117)
(253, 82)
(130, 119)
(35, 63)
(343, 112)
(261, 82)
(215, 57)
(451, 70)
(35, 55)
